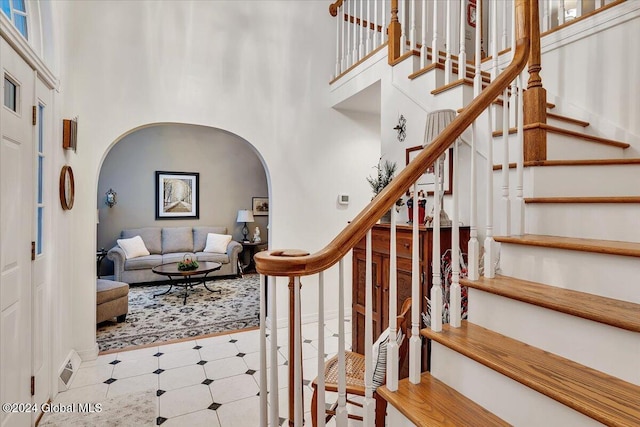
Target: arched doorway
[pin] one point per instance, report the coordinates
(230, 175)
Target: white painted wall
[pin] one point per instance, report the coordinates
(259, 70)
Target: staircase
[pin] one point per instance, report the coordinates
(554, 338)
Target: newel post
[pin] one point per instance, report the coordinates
(394, 32)
(535, 97)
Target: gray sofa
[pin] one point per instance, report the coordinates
(170, 244)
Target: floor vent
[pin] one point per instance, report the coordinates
(68, 370)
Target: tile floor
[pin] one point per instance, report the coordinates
(203, 382)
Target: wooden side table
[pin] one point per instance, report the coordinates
(249, 249)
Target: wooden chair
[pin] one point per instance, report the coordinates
(354, 366)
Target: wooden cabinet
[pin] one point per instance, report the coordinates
(380, 275)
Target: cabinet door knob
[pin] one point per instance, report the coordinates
(406, 245)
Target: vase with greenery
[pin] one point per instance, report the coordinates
(385, 171)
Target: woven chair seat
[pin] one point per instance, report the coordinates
(354, 367)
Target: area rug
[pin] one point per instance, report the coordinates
(135, 409)
(165, 318)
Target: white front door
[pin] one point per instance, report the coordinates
(16, 213)
(41, 287)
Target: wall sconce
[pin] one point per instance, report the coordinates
(111, 198)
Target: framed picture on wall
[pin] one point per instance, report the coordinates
(427, 181)
(177, 195)
(260, 206)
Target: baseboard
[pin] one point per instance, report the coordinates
(89, 354)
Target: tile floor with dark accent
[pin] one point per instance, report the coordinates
(202, 382)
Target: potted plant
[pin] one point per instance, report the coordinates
(385, 171)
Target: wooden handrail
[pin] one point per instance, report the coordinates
(333, 8)
(277, 263)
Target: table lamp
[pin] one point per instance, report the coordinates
(245, 216)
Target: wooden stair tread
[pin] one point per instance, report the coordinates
(566, 119)
(610, 247)
(557, 130)
(609, 311)
(602, 397)
(433, 403)
(609, 199)
(581, 162)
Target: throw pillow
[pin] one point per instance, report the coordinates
(133, 247)
(380, 356)
(217, 243)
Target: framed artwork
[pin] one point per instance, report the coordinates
(177, 195)
(260, 206)
(428, 179)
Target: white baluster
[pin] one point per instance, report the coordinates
(435, 54)
(376, 37)
(263, 355)
(489, 269)
(546, 15)
(369, 41)
(423, 47)
(415, 343)
(462, 56)
(337, 44)
(561, 12)
(341, 410)
(505, 202)
(355, 32)
(477, 75)
(320, 380)
(403, 25)
(348, 50)
(519, 228)
(383, 34)
(474, 246)
(361, 52)
(392, 346)
(344, 55)
(504, 24)
(447, 61)
(436, 287)
(413, 35)
(296, 364)
(273, 354)
(369, 404)
(455, 299)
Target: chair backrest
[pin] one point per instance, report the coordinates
(404, 324)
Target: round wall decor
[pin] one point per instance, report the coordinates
(67, 187)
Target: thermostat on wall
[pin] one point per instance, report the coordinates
(343, 199)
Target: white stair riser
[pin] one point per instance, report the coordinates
(565, 147)
(606, 221)
(560, 147)
(610, 276)
(550, 121)
(574, 181)
(508, 399)
(395, 418)
(583, 341)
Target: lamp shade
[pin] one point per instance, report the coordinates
(244, 216)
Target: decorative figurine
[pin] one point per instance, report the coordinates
(256, 236)
(422, 203)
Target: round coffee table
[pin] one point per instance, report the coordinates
(171, 271)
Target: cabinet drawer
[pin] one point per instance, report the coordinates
(380, 241)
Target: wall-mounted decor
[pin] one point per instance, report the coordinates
(401, 127)
(67, 188)
(428, 179)
(260, 206)
(111, 198)
(70, 134)
(177, 195)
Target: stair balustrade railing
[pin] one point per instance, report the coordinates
(301, 267)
